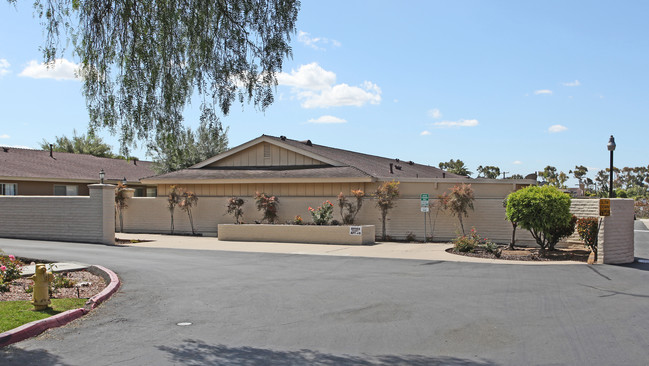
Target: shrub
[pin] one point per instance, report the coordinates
(172, 200)
(234, 208)
(410, 236)
(323, 214)
(588, 229)
(9, 271)
(187, 201)
(459, 201)
(464, 243)
(544, 211)
(298, 220)
(386, 195)
(561, 231)
(268, 205)
(349, 210)
(121, 199)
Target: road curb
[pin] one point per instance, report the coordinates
(38, 326)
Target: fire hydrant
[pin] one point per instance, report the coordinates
(40, 293)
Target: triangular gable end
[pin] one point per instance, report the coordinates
(266, 152)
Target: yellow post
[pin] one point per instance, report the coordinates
(41, 294)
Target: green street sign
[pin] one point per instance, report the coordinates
(423, 200)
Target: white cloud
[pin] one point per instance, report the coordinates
(517, 162)
(60, 69)
(543, 91)
(327, 119)
(4, 136)
(316, 87)
(572, 83)
(434, 113)
(310, 76)
(424, 133)
(460, 123)
(314, 42)
(4, 67)
(557, 128)
(396, 100)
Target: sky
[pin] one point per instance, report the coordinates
(514, 84)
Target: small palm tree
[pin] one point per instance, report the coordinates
(120, 203)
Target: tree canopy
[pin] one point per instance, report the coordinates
(173, 152)
(489, 172)
(84, 144)
(141, 61)
(455, 167)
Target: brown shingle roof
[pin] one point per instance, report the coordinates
(353, 165)
(325, 172)
(37, 164)
(375, 166)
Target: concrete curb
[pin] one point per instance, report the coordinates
(38, 326)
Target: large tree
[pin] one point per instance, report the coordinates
(455, 167)
(489, 172)
(83, 144)
(173, 152)
(141, 61)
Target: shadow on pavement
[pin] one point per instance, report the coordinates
(15, 356)
(194, 352)
(639, 263)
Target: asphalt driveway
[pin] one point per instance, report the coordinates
(290, 309)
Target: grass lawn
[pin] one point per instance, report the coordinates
(16, 313)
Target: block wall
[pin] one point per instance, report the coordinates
(88, 219)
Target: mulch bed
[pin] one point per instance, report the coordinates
(88, 286)
(573, 253)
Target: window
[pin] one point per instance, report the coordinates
(66, 190)
(152, 192)
(8, 189)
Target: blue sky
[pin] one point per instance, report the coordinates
(516, 84)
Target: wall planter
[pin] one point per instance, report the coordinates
(310, 234)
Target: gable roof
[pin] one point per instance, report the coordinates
(27, 164)
(341, 164)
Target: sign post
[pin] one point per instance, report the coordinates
(423, 203)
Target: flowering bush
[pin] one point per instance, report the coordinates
(234, 208)
(468, 243)
(268, 205)
(298, 220)
(323, 214)
(351, 208)
(9, 271)
(588, 229)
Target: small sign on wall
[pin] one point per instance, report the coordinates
(355, 230)
(604, 207)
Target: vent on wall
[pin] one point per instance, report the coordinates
(266, 151)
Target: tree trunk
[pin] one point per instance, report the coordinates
(121, 222)
(172, 221)
(191, 221)
(513, 242)
(383, 225)
(461, 224)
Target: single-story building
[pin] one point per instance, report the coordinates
(28, 172)
(303, 174)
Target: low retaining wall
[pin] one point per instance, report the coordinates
(314, 234)
(88, 219)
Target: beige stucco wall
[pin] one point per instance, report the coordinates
(82, 219)
(297, 234)
(151, 214)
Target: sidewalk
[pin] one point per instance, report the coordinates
(419, 251)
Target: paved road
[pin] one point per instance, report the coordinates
(278, 309)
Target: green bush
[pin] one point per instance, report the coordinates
(323, 214)
(544, 211)
(464, 243)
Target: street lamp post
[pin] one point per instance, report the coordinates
(101, 176)
(611, 148)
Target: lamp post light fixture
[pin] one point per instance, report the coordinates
(102, 175)
(124, 181)
(611, 148)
